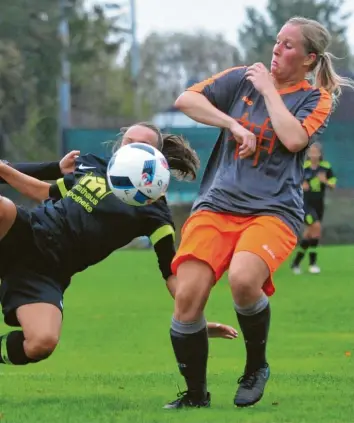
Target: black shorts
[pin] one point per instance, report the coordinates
(27, 276)
(313, 213)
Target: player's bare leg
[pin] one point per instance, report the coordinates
(41, 326)
(189, 335)
(215, 330)
(8, 213)
(315, 235)
(247, 274)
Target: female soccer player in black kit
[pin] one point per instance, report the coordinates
(79, 224)
(318, 176)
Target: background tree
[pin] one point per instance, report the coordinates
(169, 60)
(259, 32)
(30, 51)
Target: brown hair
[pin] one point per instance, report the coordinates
(182, 159)
(316, 40)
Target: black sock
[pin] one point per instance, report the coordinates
(11, 349)
(313, 251)
(304, 245)
(255, 328)
(191, 351)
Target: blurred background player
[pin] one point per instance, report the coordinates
(318, 176)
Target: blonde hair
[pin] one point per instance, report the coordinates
(316, 40)
(318, 145)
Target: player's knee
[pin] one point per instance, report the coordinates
(316, 230)
(8, 214)
(243, 284)
(41, 345)
(3, 208)
(187, 306)
(189, 302)
(307, 233)
(194, 282)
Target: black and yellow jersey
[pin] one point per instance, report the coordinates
(83, 222)
(317, 190)
(44, 171)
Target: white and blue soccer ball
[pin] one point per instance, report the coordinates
(138, 174)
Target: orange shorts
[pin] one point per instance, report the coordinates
(215, 237)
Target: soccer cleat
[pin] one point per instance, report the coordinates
(314, 269)
(296, 270)
(186, 400)
(251, 387)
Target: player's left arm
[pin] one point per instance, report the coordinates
(331, 177)
(59, 189)
(163, 241)
(27, 185)
(46, 171)
(296, 131)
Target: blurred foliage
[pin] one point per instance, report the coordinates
(99, 55)
(30, 50)
(170, 60)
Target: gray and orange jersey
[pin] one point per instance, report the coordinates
(269, 182)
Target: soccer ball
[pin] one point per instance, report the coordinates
(138, 174)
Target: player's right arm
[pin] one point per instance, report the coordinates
(306, 180)
(305, 185)
(209, 102)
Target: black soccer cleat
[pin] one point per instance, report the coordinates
(186, 400)
(251, 387)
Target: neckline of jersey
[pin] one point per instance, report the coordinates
(304, 84)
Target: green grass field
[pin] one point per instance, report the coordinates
(115, 364)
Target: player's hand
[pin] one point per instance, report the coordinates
(322, 177)
(67, 163)
(305, 186)
(246, 138)
(218, 330)
(260, 77)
